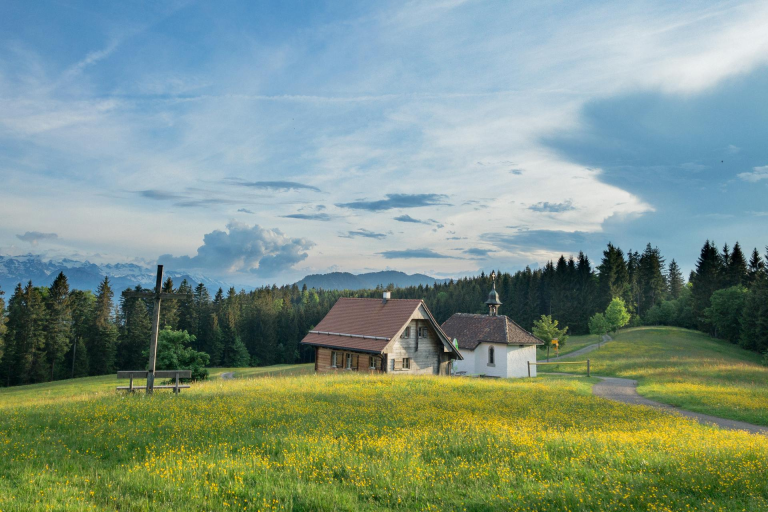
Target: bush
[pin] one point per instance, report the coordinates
(175, 353)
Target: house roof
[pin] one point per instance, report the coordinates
(367, 325)
(471, 330)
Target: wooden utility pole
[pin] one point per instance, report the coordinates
(158, 295)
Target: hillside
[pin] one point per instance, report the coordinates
(367, 443)
(687, 369)
(347, 281)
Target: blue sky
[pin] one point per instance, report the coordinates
(265, 141)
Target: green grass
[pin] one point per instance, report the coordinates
(350, 442)
(263, 371)
(573, 344)
(689, 370)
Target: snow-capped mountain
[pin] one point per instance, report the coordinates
(84, 275)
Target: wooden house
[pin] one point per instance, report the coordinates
(385, 335)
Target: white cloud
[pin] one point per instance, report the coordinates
(757, 174)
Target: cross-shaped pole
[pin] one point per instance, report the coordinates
(157, 295)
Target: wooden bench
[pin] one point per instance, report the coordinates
(159, 374)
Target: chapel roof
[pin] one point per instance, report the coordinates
(471, 330)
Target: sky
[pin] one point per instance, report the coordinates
(263, 141)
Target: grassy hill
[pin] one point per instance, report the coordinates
(687, 369)
(353, 442)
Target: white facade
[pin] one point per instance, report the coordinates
(508, 361)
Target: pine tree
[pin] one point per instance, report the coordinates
(674, 280)
(58, 323)
(187, 313)
(135, 335)
(26, 361)
(103, 336)
(613, 277)
(736, 271)
(651, 282)
(705, 280)
(754, 318)
(81, 304)
(169, 315)
(756, 266)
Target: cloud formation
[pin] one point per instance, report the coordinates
(243, 248)
(365, 234)
(308, 216)
(477, 252)
(245, 210)
(272, 185)
(412, 254)
(397, 201)
(757, 174)
(33, 237)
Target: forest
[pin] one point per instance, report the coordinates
(51, 333)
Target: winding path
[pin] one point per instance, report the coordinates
(228, 376)
(582, 351)
(625, 390)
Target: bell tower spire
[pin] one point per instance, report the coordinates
(493, 301)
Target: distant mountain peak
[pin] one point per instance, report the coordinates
(369, 280)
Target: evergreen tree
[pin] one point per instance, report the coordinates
(136, 334)
(103, 336)
(187, 312)
(26, 320)
(756, 266)
(705, 280)
(725, 312)
(169, 315)
(736, 270)
(58, 323)
(613, 277)
(674, 280)
(651, 282)
(81, 304)
(754, 319)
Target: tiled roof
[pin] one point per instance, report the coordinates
(362, 321)
(471, 330)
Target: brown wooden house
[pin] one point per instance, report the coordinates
(381, 336)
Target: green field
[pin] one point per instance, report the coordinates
(366, 443)
(573, 344)
(687, 369)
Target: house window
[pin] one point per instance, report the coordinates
(423, 332)
(406, 333)
(349, 361)
(406, 363)
(372, 362)
(334, 359)
(491, 356)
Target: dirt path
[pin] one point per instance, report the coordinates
(625, 390)
(228, 376)
(582, 351)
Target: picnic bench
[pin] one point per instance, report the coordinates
(159, 374)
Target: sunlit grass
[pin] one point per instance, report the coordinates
(370, 442)
(687, 369)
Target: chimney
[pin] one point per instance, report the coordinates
(385, 297)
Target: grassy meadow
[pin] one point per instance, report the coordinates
(687, 369)
(350, 442)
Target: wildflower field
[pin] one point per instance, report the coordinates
(352, 442)
(687, 369)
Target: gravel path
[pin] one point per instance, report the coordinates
(228, 376)
(582, 351)
(625, 390)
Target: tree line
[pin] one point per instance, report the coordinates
(50, 333)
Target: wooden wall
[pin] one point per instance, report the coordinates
(359, 361)
(425, 360)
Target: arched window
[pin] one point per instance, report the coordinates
(491, 356)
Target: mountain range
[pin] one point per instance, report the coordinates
(347, 281)
(84, 275)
